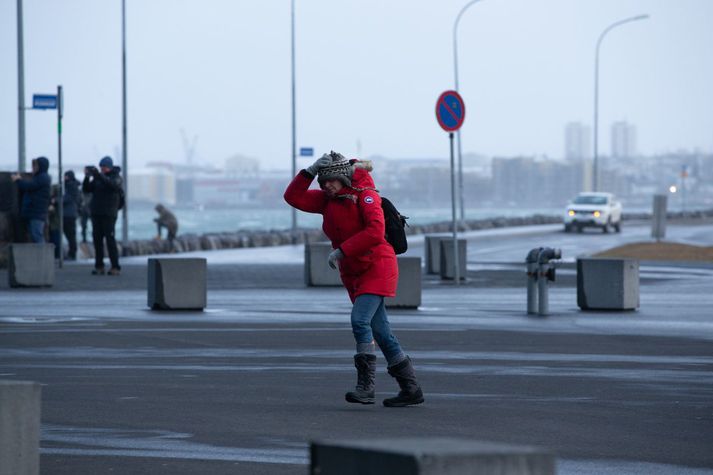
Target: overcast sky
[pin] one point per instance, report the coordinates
(367, 70)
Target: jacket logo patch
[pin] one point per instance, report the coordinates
(368, 199)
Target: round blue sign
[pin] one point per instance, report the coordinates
(450, 111)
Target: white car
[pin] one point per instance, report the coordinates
(599, 210)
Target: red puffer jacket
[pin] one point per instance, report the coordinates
(354, 222)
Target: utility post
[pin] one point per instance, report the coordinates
(60, 198)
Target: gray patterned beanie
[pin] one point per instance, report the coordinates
(341, 170)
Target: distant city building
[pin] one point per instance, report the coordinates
(577, 141)
(241, 166)
(623, 139)
(152, 185)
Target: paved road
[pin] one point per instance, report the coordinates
(244, 386)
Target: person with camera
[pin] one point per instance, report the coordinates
(354, 221)
(35, 198)
(105, 185)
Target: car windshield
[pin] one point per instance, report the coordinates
(590, 200)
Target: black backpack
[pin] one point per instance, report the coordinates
(395, 226)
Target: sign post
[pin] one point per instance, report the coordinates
(450, 113)
(48, 102)
(60, 178)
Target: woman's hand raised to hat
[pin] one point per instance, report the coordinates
(321, 162)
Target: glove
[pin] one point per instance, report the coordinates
(334, 256)
(321, 162)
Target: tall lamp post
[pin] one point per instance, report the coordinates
(20, 91)
(124, 161)
(596, 92)
(294, 133)
(455, 73)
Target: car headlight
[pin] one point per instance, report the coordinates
(597, 214)
(571, 212)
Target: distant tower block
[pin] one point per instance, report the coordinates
(623, 139)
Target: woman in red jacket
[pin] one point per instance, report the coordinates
(354, 221)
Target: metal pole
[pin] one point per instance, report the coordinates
(124, 160)
(684, 175)
(20, 91)
(595, 171)
(456, 262)
(294, 126)
(455, 74)
(543, 299)
(60, 203)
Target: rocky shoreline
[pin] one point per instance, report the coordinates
(246, 239)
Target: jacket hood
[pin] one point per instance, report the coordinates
(43, 164)
(361, 179)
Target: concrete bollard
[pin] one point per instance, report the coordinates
(408, 292)
(427, 457)
(447, 267)
(658, 217)
(607, 284)
(177, 284)
(317, 270)
(432, 252)
(31, 265)
(20, 403)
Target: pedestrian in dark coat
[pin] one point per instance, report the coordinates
(53, 220)
(85, 213)
(105, 185)
(354, 221)
(71, 204)
(36, 198)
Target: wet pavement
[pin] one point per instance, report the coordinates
(244, 386)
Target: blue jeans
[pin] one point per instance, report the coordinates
(37, 230)
(369, 322)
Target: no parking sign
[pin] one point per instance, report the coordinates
(450, 111)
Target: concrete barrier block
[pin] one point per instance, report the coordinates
(427, 457)
(20, 403)
(432, 252)
(447, 268)
(177, 283)
(408, 292)
(317, 270)
(31, 265)
(607, 284)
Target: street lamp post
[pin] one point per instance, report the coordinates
(124, 161)
(455, 74)
(20, 91)
(595, 178)
(294, 132)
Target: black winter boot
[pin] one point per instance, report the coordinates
(366, 372)
(410, 393)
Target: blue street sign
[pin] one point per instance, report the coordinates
(306, 152)
(44, 101)
(450, 111)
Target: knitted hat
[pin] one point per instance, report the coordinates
(106, 162)
(341, 170)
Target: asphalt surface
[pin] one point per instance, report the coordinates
(244, 386)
